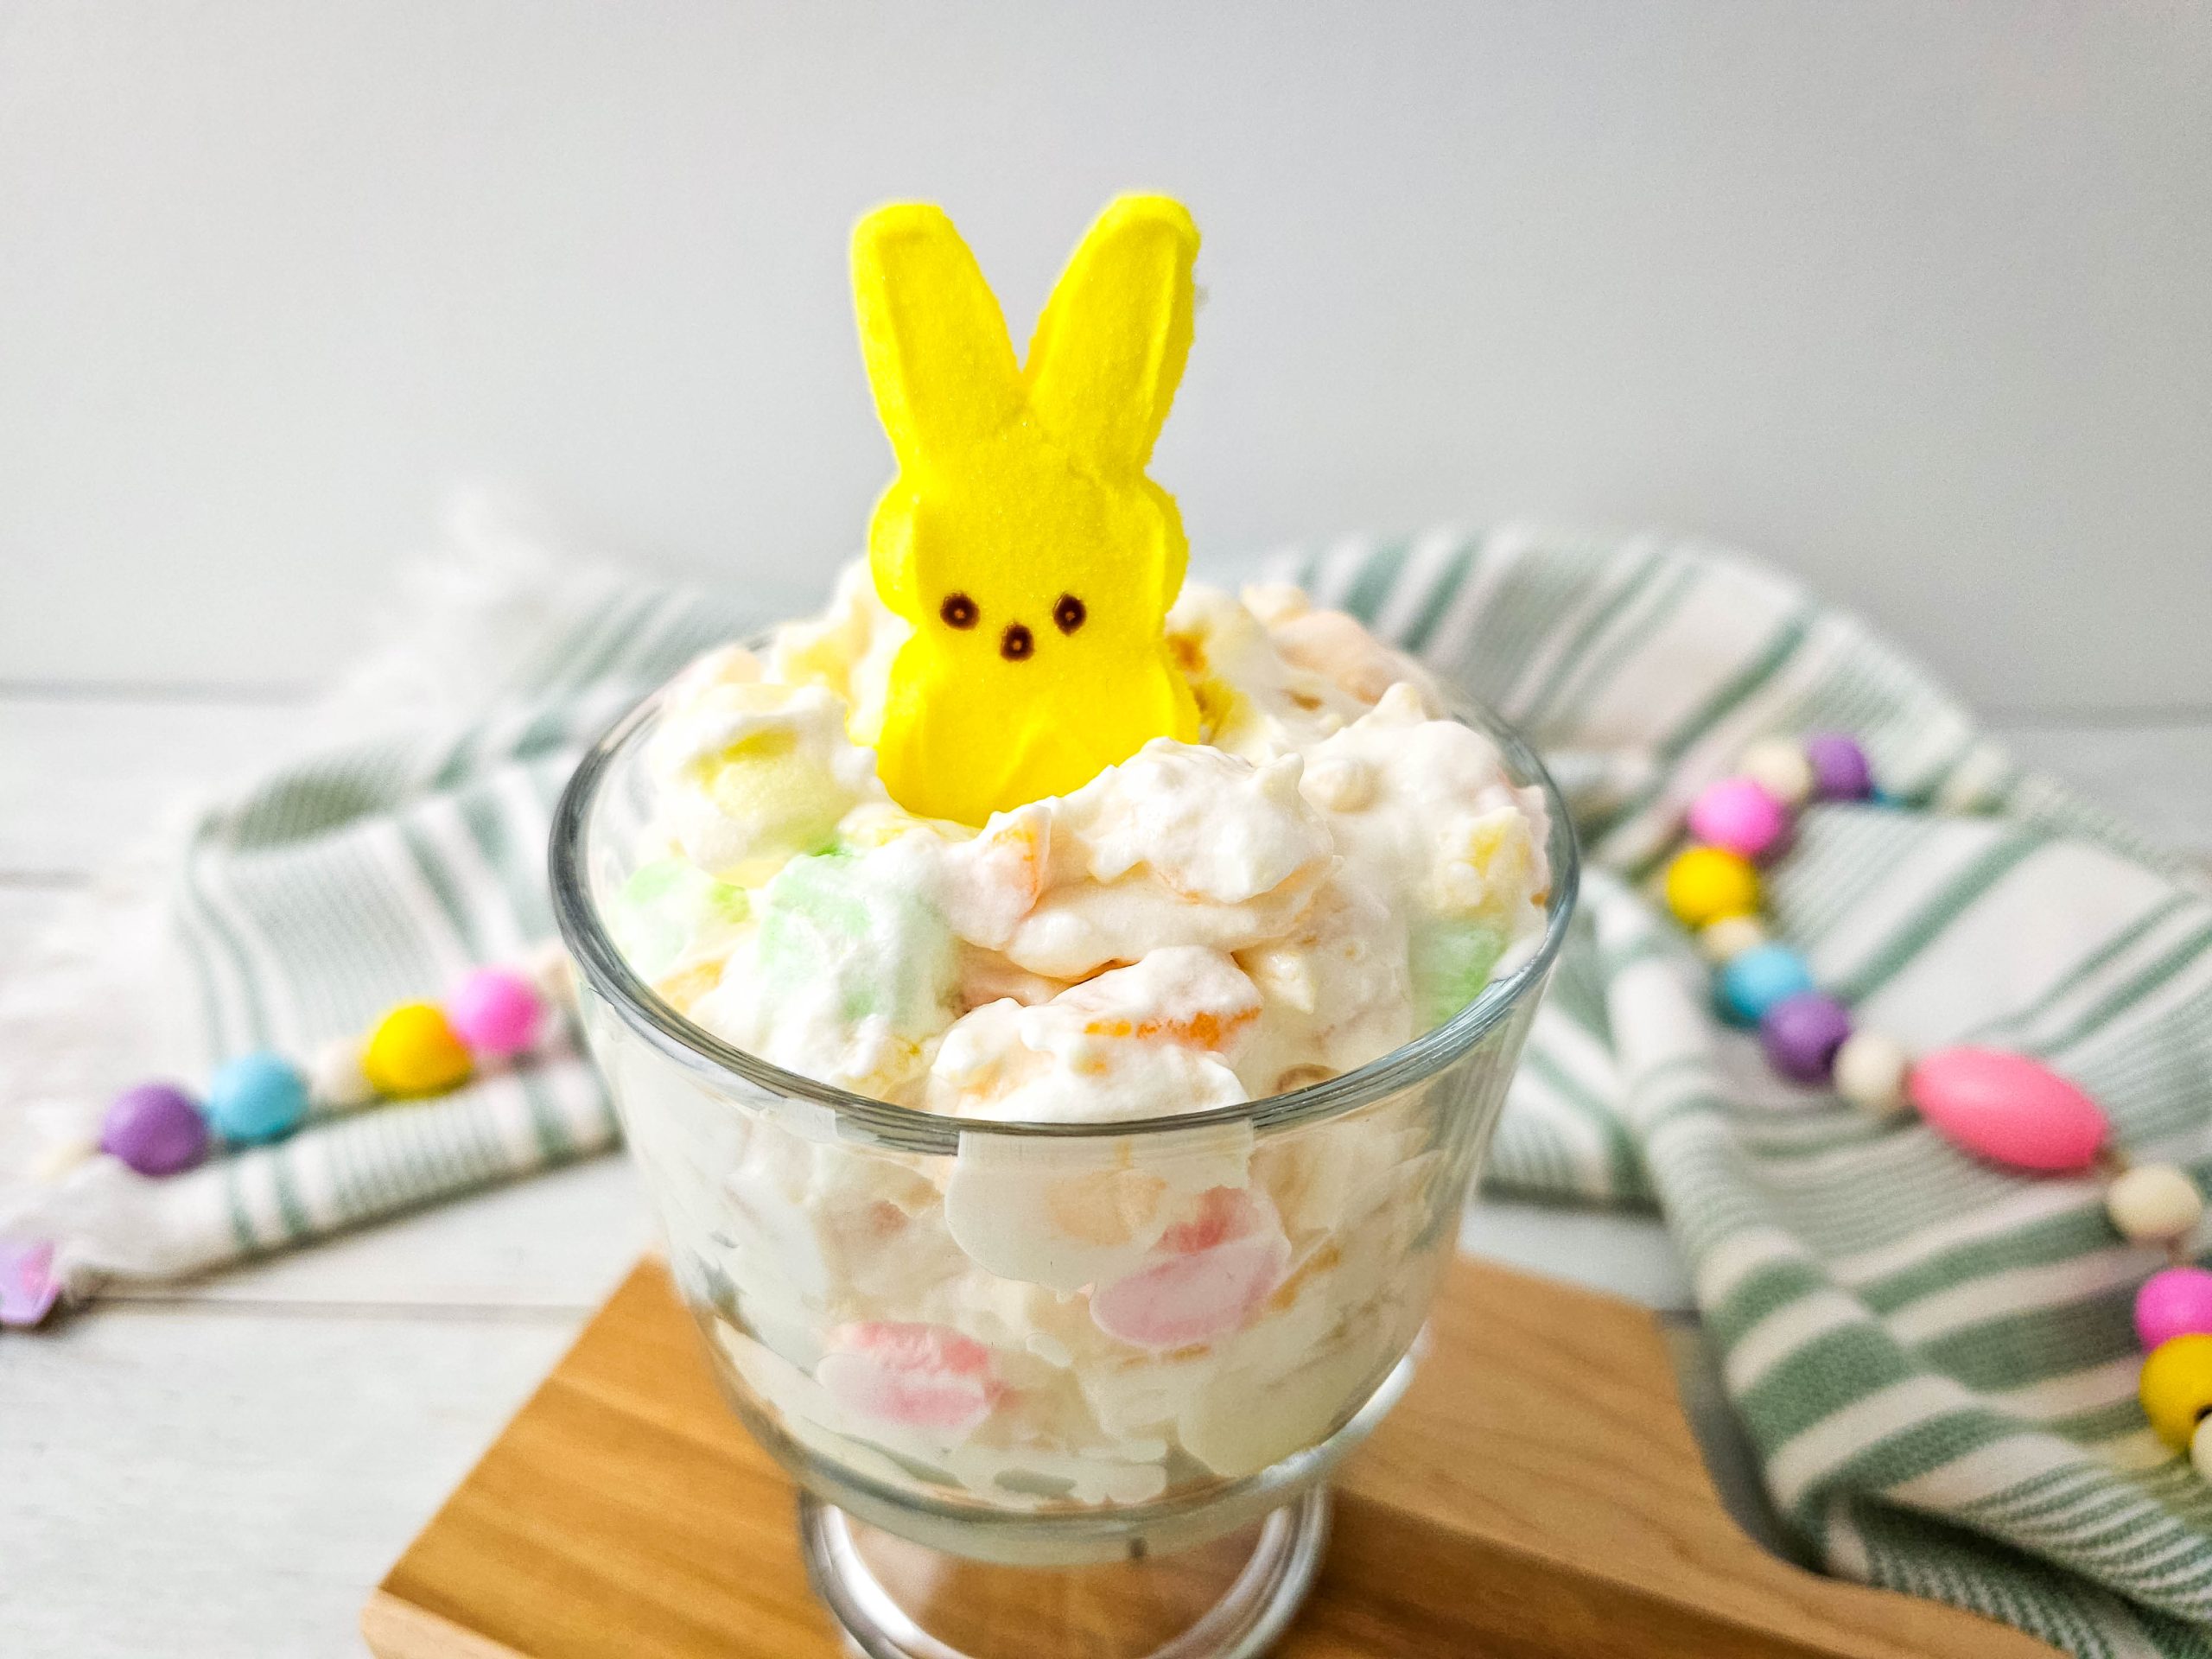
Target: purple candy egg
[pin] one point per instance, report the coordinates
(156, 1129)
(1801, 1033)
(2173, 1302)
(1839, 768)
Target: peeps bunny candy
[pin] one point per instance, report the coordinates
(1021, 538)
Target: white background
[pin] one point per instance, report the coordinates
(1912, 297)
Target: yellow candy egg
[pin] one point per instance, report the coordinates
(414, 1051)
(2177, 1387)
(1705, 884)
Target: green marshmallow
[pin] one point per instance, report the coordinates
(669, 908)
(1451, 961)
(836, 919)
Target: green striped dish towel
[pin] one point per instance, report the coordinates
(1933, 1359)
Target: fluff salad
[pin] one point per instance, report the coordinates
(1332, 869)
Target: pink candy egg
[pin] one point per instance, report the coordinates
(1740, 816)
(2173, 1302)
(1203, 1280)
(918, 1376)
(2008, 1108)
(495, 1012)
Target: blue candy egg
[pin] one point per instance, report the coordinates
(257, 1097)
(1757, 979)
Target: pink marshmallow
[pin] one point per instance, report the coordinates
(1204, 1278)
(918, 1376)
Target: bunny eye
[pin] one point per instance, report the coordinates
(1068, 615)
(1017, 645)
(958, 610)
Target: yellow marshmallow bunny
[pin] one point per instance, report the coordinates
(1021, 538)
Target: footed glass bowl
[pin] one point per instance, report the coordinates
(1048, 1390)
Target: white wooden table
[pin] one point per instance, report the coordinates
(224, 1470)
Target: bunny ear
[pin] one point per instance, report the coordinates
(1108, 351)
(934, 340)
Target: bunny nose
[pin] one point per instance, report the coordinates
(1017, 644)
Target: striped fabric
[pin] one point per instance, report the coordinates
(1933, 1358)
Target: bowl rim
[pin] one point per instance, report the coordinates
(610, 978)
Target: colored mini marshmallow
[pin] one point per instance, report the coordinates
(923, 1376)
(1206, 1276)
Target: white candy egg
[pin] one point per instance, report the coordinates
(2153, 1203)
(1779, 766)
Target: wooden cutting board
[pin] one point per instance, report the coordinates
(1537, 1493)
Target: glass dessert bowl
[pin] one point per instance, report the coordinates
(1048, 1387)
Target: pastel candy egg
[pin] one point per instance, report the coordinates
(1740, 816)
(2173, 1302)
(1780, 767)
(2154, 1204)
(2006, 1107)
(1871, 1071)
(925, 1377)
(2200, 1450)
(257, 1097)
(154, 1128)
(554, 975)
(495, 1012)
(2176, 1387)
(1801, 1033)
(414, 1051)
(1208, 1276)
(1706, 883)
(1840, 769)
(336, 1082)
(1754, 981)
(1729, 937)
